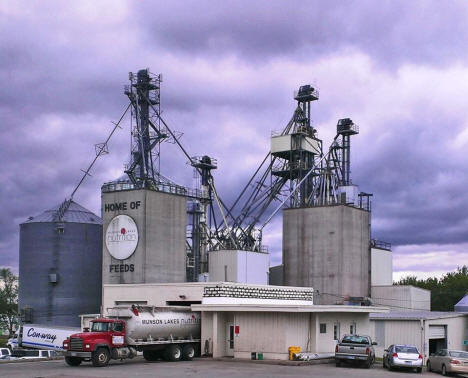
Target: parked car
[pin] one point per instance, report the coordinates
(29, 354)
(5, 353)
(355, 348)
(448, 361)
(402, 356)
(12, 342)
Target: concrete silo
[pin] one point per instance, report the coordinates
(60, 265)
(144, 234)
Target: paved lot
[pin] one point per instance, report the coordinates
(198, 368)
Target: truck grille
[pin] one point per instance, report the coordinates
(76, 343)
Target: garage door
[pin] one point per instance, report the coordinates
(437, 332)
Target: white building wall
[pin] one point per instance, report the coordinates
(457, 332)
(206, 333)
(401, 297)
(325, 342)
(270, 333)
(239, 266)
(416, 332)
(396, 332)
(222, 266)
(381, 267)
(420, 298)
(152, 294)
(253, 267)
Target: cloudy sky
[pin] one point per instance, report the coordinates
(399, 69)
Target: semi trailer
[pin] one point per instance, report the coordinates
(42, 336)
(171, 333)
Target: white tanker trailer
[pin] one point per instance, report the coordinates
(171, 333)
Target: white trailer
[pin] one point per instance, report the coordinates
(44, 337)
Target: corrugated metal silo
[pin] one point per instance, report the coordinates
(60, 265)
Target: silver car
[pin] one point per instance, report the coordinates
(402, 356)
(448, 361)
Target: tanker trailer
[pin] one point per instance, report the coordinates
(171, 333)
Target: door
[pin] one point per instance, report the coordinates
(230, 339)
(438, 359)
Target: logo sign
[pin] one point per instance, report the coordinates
(121, 237)
(117, 339)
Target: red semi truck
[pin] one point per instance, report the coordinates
(171, 333)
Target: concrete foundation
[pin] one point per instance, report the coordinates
(161, 221)
(327, 248)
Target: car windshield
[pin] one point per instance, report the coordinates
(354, 339)
(458, 354)
(405, 349)
(100, 327)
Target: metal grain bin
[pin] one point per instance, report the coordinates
(60, 265)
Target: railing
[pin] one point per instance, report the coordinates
(160, 187)
(381, 244)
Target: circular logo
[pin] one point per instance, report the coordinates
(121, 237)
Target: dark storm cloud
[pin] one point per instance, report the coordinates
(229, 72)
(391, 31)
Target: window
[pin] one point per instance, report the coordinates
(336, 331)
(352, 328)
(323, 328)
(44, 353)
(118, 327)
(100, 326)
(353, 339)
(458, 354)
(406, 349)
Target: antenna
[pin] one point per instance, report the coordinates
(101, 149)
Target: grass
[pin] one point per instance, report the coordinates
(3, 341)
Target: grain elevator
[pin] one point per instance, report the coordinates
(144, 214)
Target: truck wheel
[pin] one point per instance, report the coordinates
(197, 350)
(147, 355)
(188, 352)
(73, 361)
(100, 357)
(173, 353)
(150, 355)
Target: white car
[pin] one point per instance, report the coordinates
(402, 356)
(31, 354)
(12, 343)
(5, 353)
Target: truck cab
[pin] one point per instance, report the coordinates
(105, 340)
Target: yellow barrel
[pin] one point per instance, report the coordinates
(292, 351)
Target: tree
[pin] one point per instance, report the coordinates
(8, 300)
(445, 291)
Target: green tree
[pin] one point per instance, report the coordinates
(8, 300)
(445, 291)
